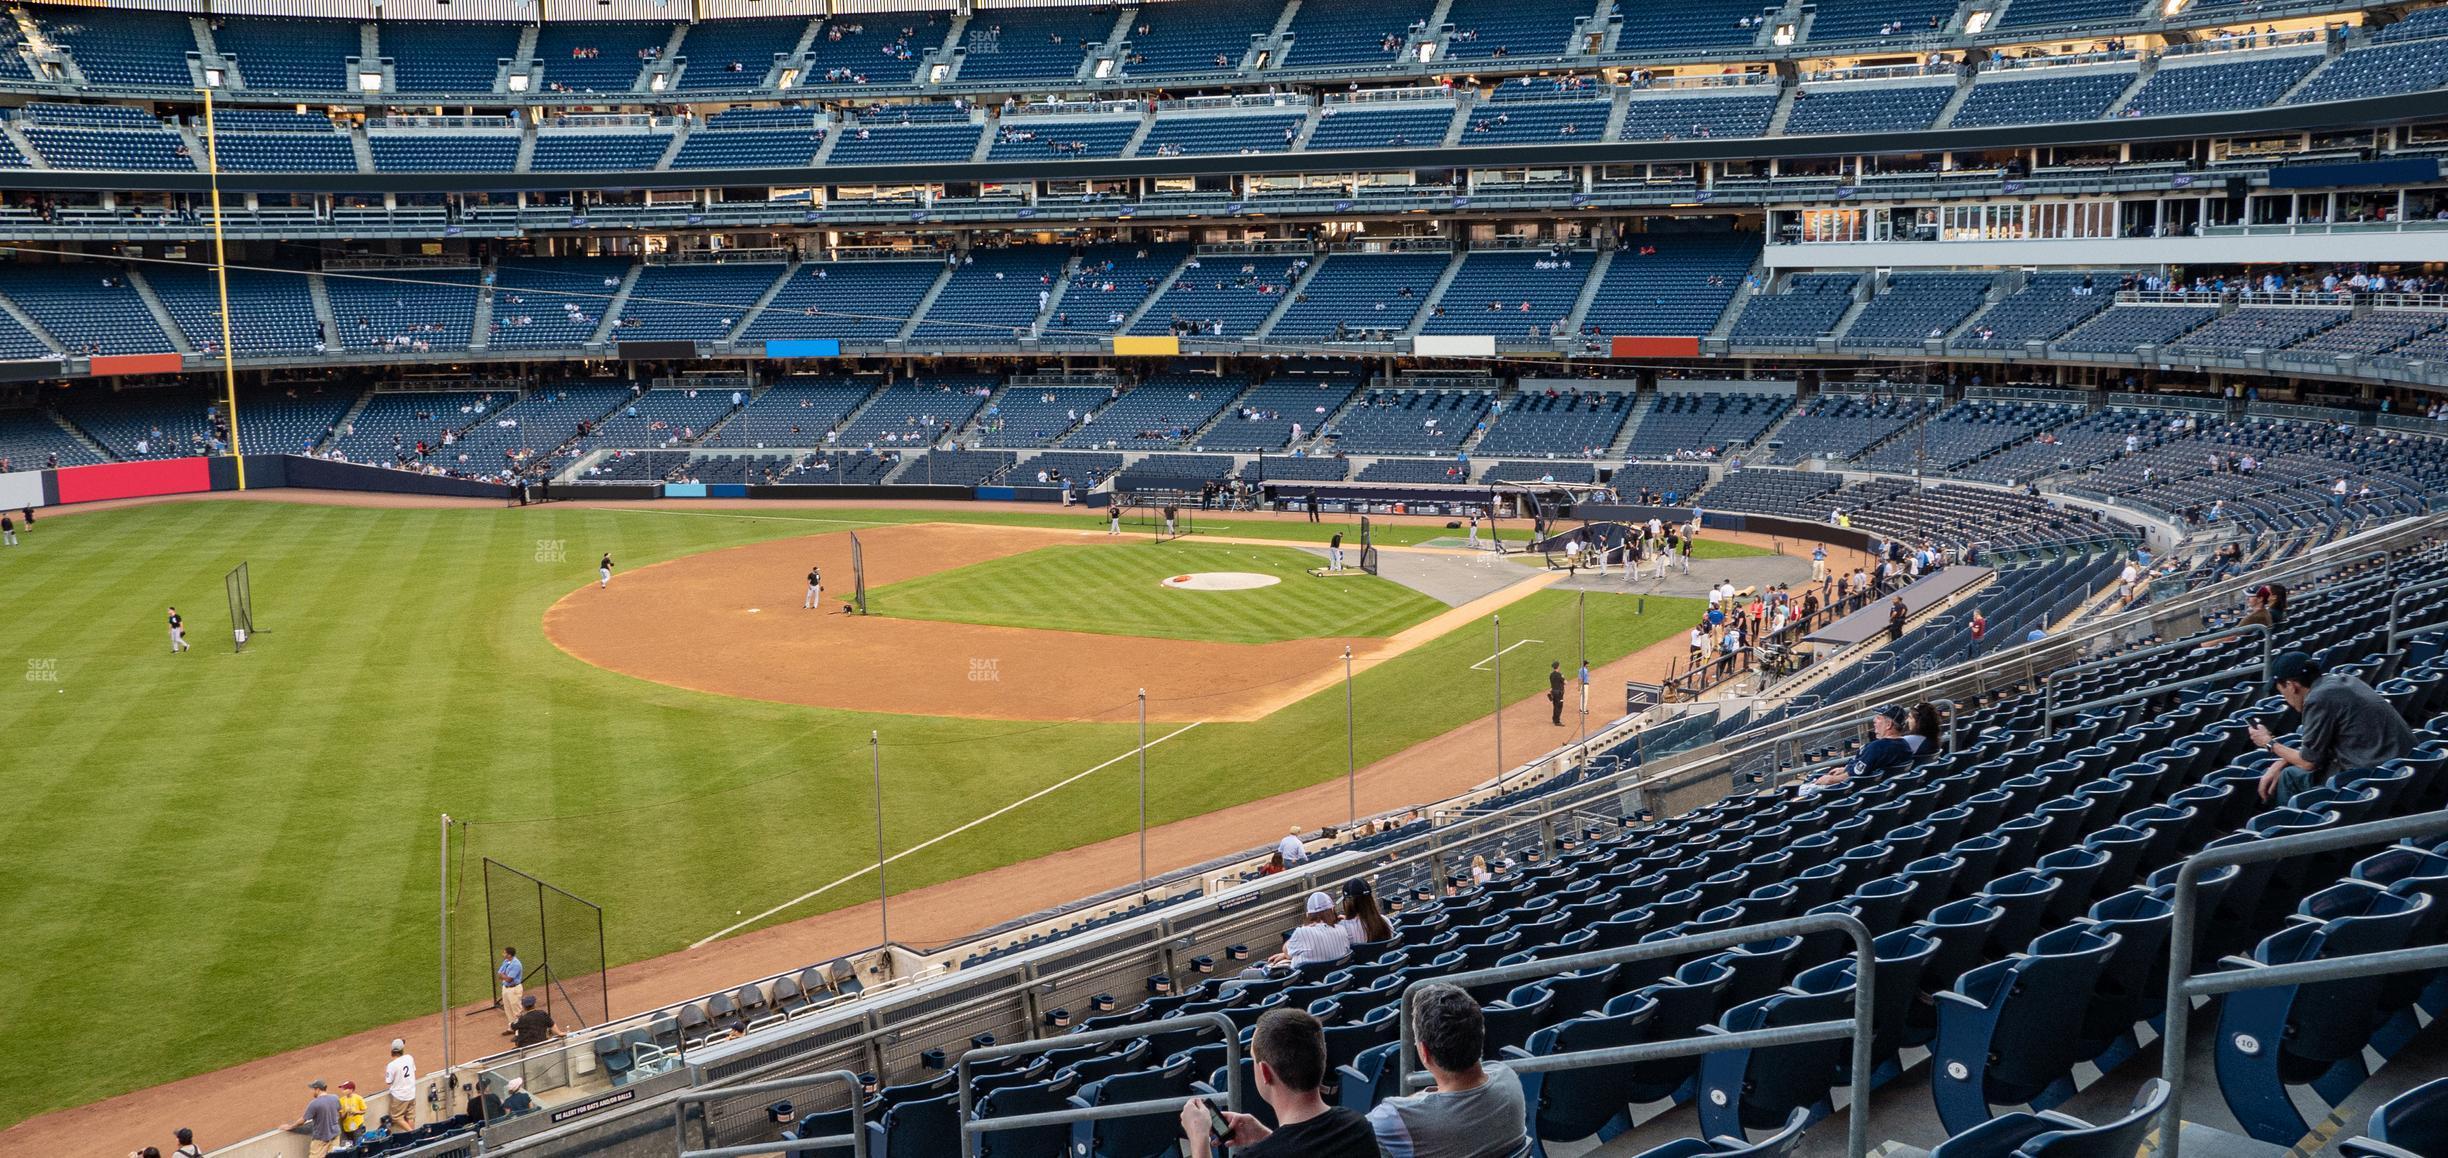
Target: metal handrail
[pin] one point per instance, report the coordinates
(2397, 606)
(1857, 1027)
(2184, 984)
(857, 1137)
(971, 1128)
(2051, 710)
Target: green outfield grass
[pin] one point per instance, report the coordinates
(214, 857)
(1122, 592)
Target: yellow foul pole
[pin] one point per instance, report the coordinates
(229, 356)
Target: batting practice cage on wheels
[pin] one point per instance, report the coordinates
(559, 938)
(858, 574)
(241, 607)
(1368, 547)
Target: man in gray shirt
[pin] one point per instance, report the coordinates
(2348, 729)
(321, 1121)
(1475, 1111)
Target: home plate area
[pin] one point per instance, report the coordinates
(1221, 581)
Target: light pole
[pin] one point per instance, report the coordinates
(443, 881)
(875, 763)
(1351, 765)
(1583, 608)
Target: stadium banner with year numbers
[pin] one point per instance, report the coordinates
(20, 489)
(133, 480)
(1454, 345)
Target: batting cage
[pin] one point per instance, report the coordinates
(1163, 515)
(1368, 547)
(858, 574)
(241, 606)
(558, 936)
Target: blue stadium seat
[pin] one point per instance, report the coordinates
(2000, 1030)
(2053, 1135)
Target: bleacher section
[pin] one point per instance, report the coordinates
(1197, 35)
(736, 53)
(1680, 423)
(91, 309)
(1671, 283)
(905, 144)
(915, 415)
(1032, 137)
(2218, 84)
(604, 57)
(122, 47)
(2081, 95)
(1689, 118)
(548, 302)
(1806, 311)
(1497, 29)
(2258, 328)
(2380, 70)
(701, 303)
(270, 312)
(1345, 35)
(725, 148)
(1489, 291)
(994, 295)
(413, 151)
(1361, 292)
(2047, 305)
(1265, 419)
(1160, 414)
(793, 412)
(565, 151)
(1915, 307)
(2119, 329)
(1402, 126)
(293, 55)
(1207, 134)
(1538, 117)
(1409, 422)
(1223, 296)
(1041, 44)
(1555, 425)
(852, 301)
(430, 57)
(1033, 416)
(1859, 107)
(1111, 282)
(429, 309)
(1964, 432)
(1841, 426)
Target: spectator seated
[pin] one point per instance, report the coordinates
(912, 416)
(846, 53)
(543, 302)
(1642, 482)
(852, 301)
(432, 309)
(903, 144)
(394, 421)
(1030, 416)
(1111, 282)
(1527, 121)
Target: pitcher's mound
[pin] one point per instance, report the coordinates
(1222, 581)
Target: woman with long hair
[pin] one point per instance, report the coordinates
(1363, 921)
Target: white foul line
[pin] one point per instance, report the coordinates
(933, 841)
(731, 515)
(1482, 664)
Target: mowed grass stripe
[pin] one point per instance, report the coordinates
(249, 841)
(1119, 590)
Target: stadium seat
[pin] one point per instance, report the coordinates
(2001, 1039)
(2052, 1135)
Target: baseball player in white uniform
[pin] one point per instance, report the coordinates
(603, 572)
(178, 633)
(1113, 521)
(815, 594)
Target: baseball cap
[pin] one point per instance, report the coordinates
(348, 1085)
(399, 1045)
(1320, 903)
(1357, 887)
(317, 1084)
(1895, 714)
(527, 1002)
(2294, 666)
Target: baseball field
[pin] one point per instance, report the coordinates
(214, 857)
